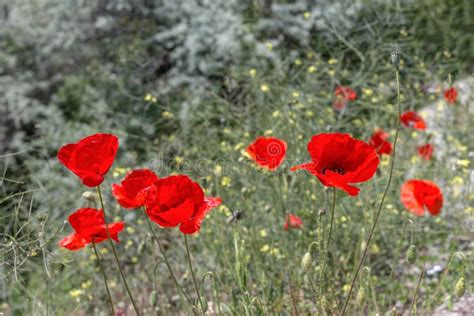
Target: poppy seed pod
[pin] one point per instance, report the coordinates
(395, 56)
(411, 254)
(306, 262)
(89, 196)
(460, 288)
(153, 299)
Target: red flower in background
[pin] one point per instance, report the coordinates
(342, 95)
(131, 192)
(345, 92)
(292, 221)
(451, 95)
(90, 158)
(89, 226)
(413, 119)
(425, 151)
(418, 195)
(179, 201)
(379, 142)
(267, 152)
(338, 160)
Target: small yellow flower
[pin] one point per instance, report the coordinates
(276, 114)
(253, 72)
(307, 15)
(167, 115)
(264, 88)
(119, 171)
(309, 113)
(463, 163)
(275, 251)
(130, 230)
(331, 72)
(298, 62)
(218, 170)
(312, 69)
(86, 285)
(263, 233)
(75, 293)
(295, 94)
(225, 210)
(367, 91)
(343, 219)
(150, 98)
(227, 131)
(178, 159)
(269, 46)
(103, 251)
(265, 248)
(134, 259)
(332, 61)
(447, 54)
(268, 132)
(457, 180)
(375, 249)
(226, 181)
(239, 146)
(403, 33)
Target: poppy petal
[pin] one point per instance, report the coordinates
(73, 242)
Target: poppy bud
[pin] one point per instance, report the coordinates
(322, 211)
(89, 196)
(361, 295)
(153, 299)
(395, 58)
(411, 254)
(460, 288)
(306, 262)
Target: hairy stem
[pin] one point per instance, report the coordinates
(192, 273)
(377, 215)
(105, 279)
(333, 208)
(168, 265)
(114, 251)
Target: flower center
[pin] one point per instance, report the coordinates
(334, 168)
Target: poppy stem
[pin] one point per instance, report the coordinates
(114, 251)
(415, 296)
(377, 215)
(165, 257)
(105, 278)
(192, 273)
(333, 208)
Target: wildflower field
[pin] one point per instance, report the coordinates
(185, 157)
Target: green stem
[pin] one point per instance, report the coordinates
(333, 208)
(114, 251)
(415, 296)
(105, 278)
(377, 215)
(168, 265)
(192, 273)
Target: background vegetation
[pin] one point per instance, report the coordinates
(187, 81)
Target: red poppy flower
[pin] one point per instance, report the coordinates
(179, 201)
(89, 226)
(90, 158)
(293, 221)
(267, 152)
(451, 95)
(346, 92)
(131, 192)
(343, 94)
(379, 142)
(418, 195)
(413, 119)
(338, 160)
(425, 151)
